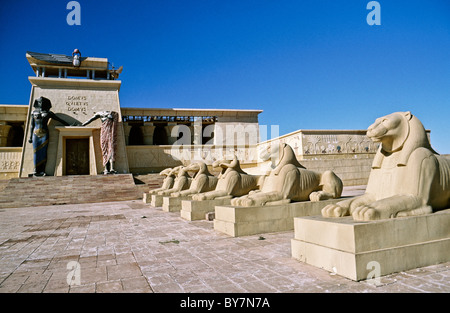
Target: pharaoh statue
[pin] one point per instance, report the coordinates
(39, 132)
(76, 55)
(407, 177)
(167, 182)
(203, 180)
(232, 181)
(181, 182)
(290, 181)
(108, 138)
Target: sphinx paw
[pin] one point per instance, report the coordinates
(334, 210)
(248, 202)
(315, 196)
(236, 201)
(367, 213)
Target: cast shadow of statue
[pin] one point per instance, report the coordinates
(72, 121)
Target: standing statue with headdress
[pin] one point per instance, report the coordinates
(108, 138)
(76, 55)
(39, 133)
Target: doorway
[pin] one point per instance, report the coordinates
(77, 156)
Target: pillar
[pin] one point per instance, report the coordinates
(126, 130)
(171, 140)
(147, 130)
(4, 131)
(198, 132)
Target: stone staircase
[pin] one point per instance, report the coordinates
(52, 190)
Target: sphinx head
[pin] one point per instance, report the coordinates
(391, 130)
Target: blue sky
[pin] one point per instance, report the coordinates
(313, 64)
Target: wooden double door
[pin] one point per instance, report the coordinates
(77, 156)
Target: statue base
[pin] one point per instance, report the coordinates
(173, 204)
(245, 221)
(193, 210)
(146, 197)
(156, 201)
(365, 250)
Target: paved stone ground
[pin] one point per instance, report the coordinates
(130, 246)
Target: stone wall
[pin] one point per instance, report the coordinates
(9, 162)
(327, 144)
(74, 101)
(151, 159)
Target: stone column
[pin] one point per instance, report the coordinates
(4, 131)
(126, 130)
(198, 132)
(147, 130)
(192, 132)
(171, 140)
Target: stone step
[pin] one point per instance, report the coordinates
(51, 190)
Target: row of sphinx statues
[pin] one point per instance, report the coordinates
(407, 177)
(287, 181)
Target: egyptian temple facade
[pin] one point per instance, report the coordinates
(151, 139)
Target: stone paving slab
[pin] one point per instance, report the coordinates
(132, 247)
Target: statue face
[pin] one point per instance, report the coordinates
(386, 127)
(42, 103)
(269, 151)
(193, 167)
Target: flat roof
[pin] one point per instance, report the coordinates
(37, 58)
(187, 111)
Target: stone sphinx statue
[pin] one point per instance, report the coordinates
(290, 181)
(407, 178)
(181, 182)
(232, 181)
(167, 182)
(203, 180)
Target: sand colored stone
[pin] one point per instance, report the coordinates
(173, 204)
(361, 250)
(232, 181)
(244, 221)
(407, 178)
(203, 180)
(193, 210)
(181, 182)
(74, 100)
(169, 179)
(155, 200)
(290, 181)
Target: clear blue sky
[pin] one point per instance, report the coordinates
(313, 64)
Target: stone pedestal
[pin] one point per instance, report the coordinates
(362, 250)
(245, 221)
(173, 204)
(192, 210)
(146, 197)
(156, 200)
